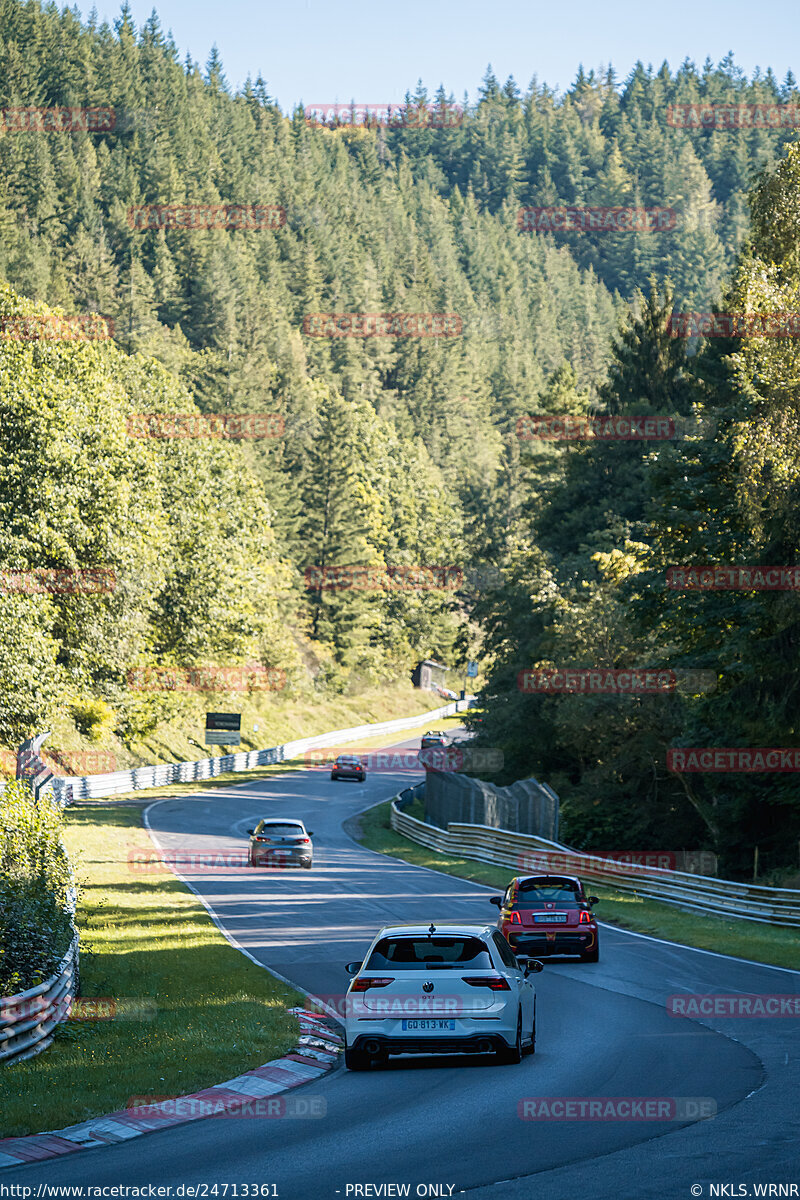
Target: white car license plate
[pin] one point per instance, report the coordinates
(548, 917)
(281, 852)
(426, 1025)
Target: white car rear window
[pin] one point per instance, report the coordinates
(429, 953)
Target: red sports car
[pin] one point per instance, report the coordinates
(548, 914)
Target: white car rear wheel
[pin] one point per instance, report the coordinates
(531, 1049)
(513, 1054)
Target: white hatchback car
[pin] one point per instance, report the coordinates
(439, 989)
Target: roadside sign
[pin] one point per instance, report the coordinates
(223, 729)
(472, 669)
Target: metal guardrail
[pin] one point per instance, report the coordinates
(526, 806)
(527, 854)
(66, 790)
(28, 1020)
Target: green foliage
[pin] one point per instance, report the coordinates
(648, 370)
(587, 582)
(180, 527)
(35, 929)
(35, 934)
(93, 718)
(31, 681)
(735, 501)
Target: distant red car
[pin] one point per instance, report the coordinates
(349, 766)
(548, 914)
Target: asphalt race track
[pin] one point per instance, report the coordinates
(603, 1030)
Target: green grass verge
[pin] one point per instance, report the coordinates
(192, 1010)
(743, 939)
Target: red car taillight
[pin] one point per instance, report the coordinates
(513, 918)
(495, 983)
(363, 983)
(263, 839)
(585, 918)
(301, 841)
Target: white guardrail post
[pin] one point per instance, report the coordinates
(527, 854)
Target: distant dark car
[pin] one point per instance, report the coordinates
(280, 843)
(434, 737)
(548, 914)
(348, 766)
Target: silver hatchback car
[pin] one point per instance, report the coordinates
(276, 842)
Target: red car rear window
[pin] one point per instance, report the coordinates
(538, 895)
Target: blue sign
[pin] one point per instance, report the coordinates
(472, 669)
